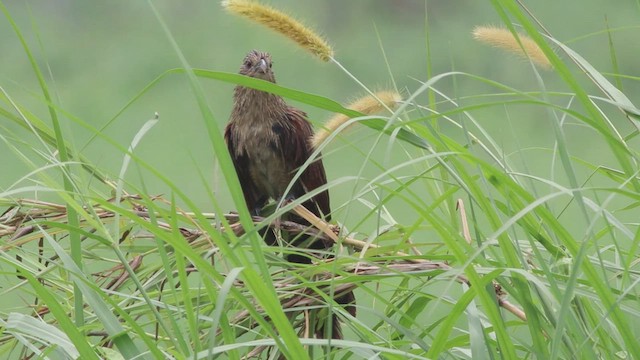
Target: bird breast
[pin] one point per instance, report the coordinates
(267, 167)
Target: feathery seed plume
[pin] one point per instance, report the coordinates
(503, 38)
(367, 105)
(282, 23)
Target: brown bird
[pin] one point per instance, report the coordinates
(269, 141)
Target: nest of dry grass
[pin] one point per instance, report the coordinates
(27, 222)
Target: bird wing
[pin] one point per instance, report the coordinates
(295, 143)
(241, 163)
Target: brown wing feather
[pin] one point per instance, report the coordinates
(251, 196)
(297, 148)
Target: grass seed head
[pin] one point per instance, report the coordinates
(282, 23)
(503, 38)
(367, 105)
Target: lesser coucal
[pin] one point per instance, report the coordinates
(269, 141)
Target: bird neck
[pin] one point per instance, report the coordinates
(252, 101)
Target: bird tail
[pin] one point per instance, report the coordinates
(348, 301)
(336, 329)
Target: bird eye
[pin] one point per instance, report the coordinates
(247, 63)
(270, 64)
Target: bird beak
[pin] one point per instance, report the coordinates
(262, 66)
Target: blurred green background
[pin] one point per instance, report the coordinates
(99, 55)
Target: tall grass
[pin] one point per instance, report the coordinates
(490, 265)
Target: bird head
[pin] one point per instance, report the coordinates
(257, 64)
